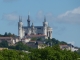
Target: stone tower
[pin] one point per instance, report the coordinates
(45, 25)
(20, 24)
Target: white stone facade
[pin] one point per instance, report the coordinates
(34, 30)
(68, 47)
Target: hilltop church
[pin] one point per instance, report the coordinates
(31, 31)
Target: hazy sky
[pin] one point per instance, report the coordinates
(63, 16)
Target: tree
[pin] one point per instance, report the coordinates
(5, 35)
(62, 42)
(21, 46)
(4, 43)
(53, 53)
(9, 34)
(39, 39)
(34, 39)
(13, 55)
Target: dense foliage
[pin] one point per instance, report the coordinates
(4, 44)
(54, 41)
(7, 35)
(48, 41)
(49, 53)
(53, 53)
(20, 46)
(13, 55)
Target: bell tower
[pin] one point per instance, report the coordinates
(45, 25)
(20, 24)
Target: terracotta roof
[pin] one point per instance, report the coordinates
(35, 35)
(5, 38)
(32, 41)
(24, 38)
(63, 45)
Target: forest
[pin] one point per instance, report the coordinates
(48, 53)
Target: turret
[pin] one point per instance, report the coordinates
(45, 25)
(20, 24)
(32, 26)
(28, 21)
(32, 29)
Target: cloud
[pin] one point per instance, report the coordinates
(72, 16)
(11, 16)
(41, 15)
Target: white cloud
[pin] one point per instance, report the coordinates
(75, 11)
(72, 16)
(11, 16)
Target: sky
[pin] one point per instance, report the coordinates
(62, 15)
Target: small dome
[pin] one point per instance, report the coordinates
(49, 28)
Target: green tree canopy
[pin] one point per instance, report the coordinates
(4, 43)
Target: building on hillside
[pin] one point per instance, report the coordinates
(68, 47)
(43, 31)
(10, 40)
(25, 40)
(36, 44)
(3, 49)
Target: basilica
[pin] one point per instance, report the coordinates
(31, 31)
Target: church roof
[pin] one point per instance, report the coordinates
(35, 35)
(25, 27)
(38, 26)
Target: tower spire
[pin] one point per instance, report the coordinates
(28, 21)
(29, 16)
(32, 24)
(20, 18)
(44, 18)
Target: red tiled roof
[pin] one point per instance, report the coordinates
(63, 44)
(5, 38)
(32, 41)
(35, 35)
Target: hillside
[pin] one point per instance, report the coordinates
(48, 53)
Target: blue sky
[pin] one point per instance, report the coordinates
(63, 16)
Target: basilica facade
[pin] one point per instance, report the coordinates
(29, 31)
